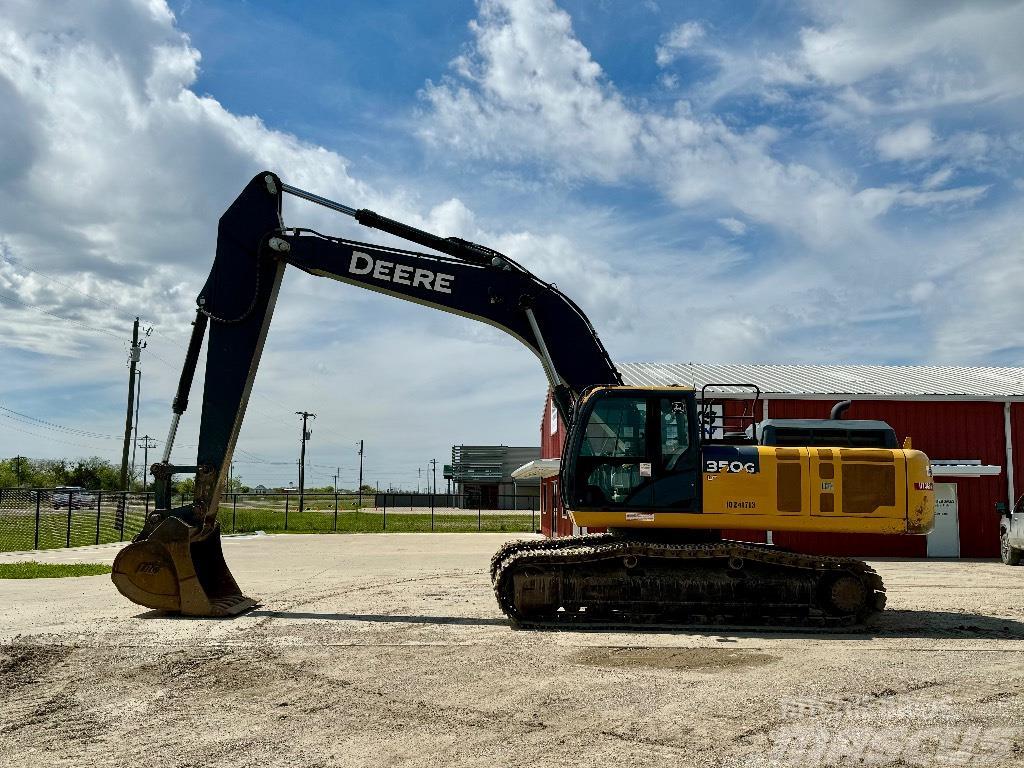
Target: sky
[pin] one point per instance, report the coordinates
(728, 182)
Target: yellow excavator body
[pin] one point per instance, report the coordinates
(838, 490)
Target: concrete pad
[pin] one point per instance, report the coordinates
(389, 649)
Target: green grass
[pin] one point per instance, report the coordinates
(17, 531)
(34, 570)
(247, 519)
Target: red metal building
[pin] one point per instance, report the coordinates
(963, 415)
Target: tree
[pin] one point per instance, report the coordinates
(8, 473)
(93, 473)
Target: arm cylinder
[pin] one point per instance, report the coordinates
(188, 372)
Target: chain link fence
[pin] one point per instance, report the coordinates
(47, 518)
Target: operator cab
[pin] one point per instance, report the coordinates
(634, 448)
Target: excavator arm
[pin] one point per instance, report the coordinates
(175, 563)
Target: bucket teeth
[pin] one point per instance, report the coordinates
(179, 568)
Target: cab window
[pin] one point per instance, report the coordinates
(614, 444)
(675, 433)
(617, 428)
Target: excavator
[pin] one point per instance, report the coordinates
(646, 464)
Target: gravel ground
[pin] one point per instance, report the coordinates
(389, 650)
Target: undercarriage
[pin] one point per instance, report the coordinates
(613, 581)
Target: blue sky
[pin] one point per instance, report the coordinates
(750, 182)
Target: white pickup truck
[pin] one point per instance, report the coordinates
(1011, 533)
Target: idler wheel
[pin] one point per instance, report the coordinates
(848, 595)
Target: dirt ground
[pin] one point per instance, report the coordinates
(389, 650)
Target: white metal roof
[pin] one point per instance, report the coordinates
(910, 382)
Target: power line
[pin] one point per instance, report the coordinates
(268, 416)
(51, 439)
(60, 317)
(18, 263)
(7, 413)
(5, 254)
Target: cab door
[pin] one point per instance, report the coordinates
(635, 450)
(677, 487)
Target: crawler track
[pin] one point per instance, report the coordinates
(604, 581)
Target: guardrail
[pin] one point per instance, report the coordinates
(47, 518)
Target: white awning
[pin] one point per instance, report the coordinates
(536, 469)
(963, 468)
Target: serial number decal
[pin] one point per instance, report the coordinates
(741, 505)
(645, 516)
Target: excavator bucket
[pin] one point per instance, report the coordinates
(179, 568)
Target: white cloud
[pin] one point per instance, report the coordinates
(113, 173)
(943, 53)
(527, 82)
(976, 312)
(877, 201)
(845, 233)
(735, 226)
(681, 39)
(938, 179)
(911, 141)
(529, 92)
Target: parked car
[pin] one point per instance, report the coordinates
(1011, 533)
(74, 495)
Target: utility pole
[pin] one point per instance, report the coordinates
(135, 439)
(133, 360)
(337, 472)
(360, 474)
(433, 463)
(419, 477)
(231, 476)
(306, 433)
(17, 468)
(147, 443)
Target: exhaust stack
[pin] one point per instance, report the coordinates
(840, 408)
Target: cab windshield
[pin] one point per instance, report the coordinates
(629, 444)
